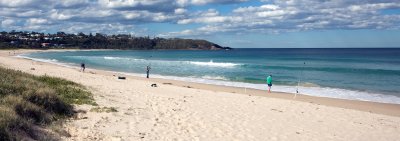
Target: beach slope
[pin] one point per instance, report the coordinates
(133, 110)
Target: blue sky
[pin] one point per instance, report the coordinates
(234, 23)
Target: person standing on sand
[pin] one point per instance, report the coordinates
(83, 67)
(148, 71)
(269, 82)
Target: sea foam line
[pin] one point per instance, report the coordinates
(112, 58)
(51, 61)
(312, 91)
(211, 63)
(214, 64)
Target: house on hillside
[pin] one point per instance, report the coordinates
(45, 44)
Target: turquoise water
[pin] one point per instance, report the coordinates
(361, 74)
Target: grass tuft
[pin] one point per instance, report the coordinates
(27, 110)
(70, 92)
(12, 127)
(104, 109)
(48, 99)
(29, 102)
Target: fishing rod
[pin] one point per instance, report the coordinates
(298, 82)
(149, 60)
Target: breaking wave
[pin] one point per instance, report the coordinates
(214, 64)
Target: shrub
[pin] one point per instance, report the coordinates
(48, 100)
(27, 110)
(70, 92)
(12, 127)
(28, 103)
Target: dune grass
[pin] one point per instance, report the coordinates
(104, 109)
(29, 103)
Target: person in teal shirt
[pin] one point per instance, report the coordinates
(269, 82)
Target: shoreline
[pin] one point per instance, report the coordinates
(131, 109)
(316, 91)
(366, 106)
(306, 88)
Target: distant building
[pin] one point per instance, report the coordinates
(46, 44)
(23, 38)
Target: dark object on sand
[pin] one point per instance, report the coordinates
(153, 85)
(121, 77)
(167, 83)
(32, 68)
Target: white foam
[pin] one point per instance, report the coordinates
(37, 59)
(207, 64)
(306, 90)
(122, 58)
(111, 58)
(214, 64)
(52, 61)
(312, 91)
(214, 77)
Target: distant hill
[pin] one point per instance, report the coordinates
(99, 41)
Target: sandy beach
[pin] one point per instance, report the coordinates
(178, 110)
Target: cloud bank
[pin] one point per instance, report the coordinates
(265, 16)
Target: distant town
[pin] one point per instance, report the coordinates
(61, 40)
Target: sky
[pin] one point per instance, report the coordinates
(233, 23)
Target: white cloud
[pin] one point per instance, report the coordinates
(254, 9)
(97, 28)
(269, 17)
(7, 22)
(294, 15)
(32, 13)
(71, 3)
(211, 19)
(181, 33)
(180, 11)
(37, 21)
(59, 15)
(131, 15)
(209, 16)
(17, 3)
(182, 3)
(203, 2)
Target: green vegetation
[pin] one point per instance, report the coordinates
(37, 40)
(104, 109)
(29, 103)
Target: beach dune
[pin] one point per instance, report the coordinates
(133, 110)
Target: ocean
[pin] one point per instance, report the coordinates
(367, 74)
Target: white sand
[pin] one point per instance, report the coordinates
(170, 112)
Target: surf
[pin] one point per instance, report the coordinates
(211, 63)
